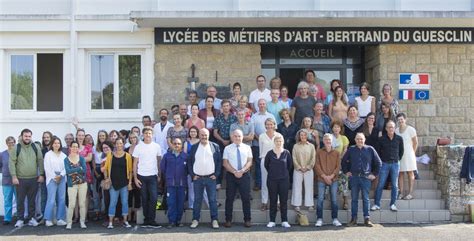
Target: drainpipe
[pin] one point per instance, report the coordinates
(73, 58)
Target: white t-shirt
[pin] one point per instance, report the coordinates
(146, 154)
(257, 94)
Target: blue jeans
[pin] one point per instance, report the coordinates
(56, 195)
(210, 186)
(175, 200)
(360, 184)
(149, 194)
(8, 194)
(392, 169)
(44, 196)
(258, 172)
(333, 189)
(95, 190)
(114, 195)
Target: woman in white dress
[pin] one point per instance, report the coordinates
(408, 161)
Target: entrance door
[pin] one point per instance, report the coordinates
(292, 76)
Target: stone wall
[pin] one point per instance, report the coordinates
(173, 66)
(454, 190)
(450, 110)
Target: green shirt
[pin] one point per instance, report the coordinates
(28, 164)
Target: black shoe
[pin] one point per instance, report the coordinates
(6, 223)
(145, 224)
(154, 224)
(179, 225)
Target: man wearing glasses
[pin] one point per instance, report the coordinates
(173, 169)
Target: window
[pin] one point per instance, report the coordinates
(115, 81)
(37, 82)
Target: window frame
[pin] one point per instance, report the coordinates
(26, 112)
(116, 70)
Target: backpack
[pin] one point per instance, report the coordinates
(33, 145)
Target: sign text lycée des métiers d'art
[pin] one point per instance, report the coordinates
(313, 35)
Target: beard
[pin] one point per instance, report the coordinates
(163, 118)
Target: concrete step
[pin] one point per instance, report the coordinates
(414, 204)
(418, 193)
(261, 217)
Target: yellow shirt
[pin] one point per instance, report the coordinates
(340, 143)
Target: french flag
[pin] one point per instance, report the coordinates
(406, 95)
(417, 79)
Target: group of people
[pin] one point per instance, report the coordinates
(276, 142)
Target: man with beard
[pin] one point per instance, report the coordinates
(25, 161)
(161, 130)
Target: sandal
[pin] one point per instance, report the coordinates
(408, 197)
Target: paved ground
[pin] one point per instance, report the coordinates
(439, 231)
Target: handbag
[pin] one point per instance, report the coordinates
(76, 178)
(302, 219)
(106, 184)
(443, 141)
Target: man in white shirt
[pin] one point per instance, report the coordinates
(146, 160)
(237, 161)
(260, 93)
(204, 166)
(258, 121)
(211, 91)
(161, 130)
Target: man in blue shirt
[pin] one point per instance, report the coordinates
(361, 164)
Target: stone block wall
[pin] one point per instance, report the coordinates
(450, 110)
(454, 190)
(173, 66)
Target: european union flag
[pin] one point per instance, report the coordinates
(422, 95)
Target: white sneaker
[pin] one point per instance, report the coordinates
(194, 224)
(393, 208)
(110, 226)
(49, 223)
(83, 225)
(336, 223)
(271, 225)
(126, 225)
(61, 222)
(215, 224)
(319, 223)
(69, 226)
(297, 208)
(374, 208)
(33, 222)
(19, 224)
(285, 225)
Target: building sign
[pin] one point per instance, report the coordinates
(415, 81)
(364, 36)
(310, 52)
(414, 86)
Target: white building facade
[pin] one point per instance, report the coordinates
(94, 61)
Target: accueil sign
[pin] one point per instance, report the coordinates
(313, 35)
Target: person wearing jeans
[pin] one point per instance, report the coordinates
(55, 183)
(7, 186)
(204, 165)
(118, 167)
(327, 169)
(361, 164)
(147, 155)
(390, 146)
(173, 170)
